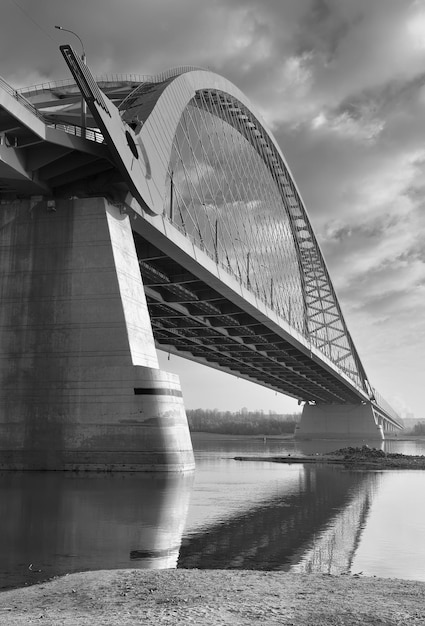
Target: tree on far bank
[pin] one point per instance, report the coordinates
(242, 422)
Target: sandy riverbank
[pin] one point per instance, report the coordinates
(354, 458)
(214, 598)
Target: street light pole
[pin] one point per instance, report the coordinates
(83, 58)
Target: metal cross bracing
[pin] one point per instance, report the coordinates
(193, 320)
(231, 192)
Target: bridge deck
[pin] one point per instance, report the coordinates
(43, 150)
(193, 320)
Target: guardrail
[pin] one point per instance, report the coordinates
(20, 98)
(78, 131)
(111, 78)
(71, 129)
(381, 402)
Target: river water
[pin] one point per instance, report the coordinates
(228, 514)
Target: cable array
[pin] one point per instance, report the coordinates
(229, 190)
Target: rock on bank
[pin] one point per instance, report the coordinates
(214, 598)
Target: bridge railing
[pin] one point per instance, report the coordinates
(20, 98)
(70, 82)
(71, 129)
(78, 131)
(386, 406)
(110, 78)
(252, 286)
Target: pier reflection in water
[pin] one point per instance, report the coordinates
(228, 514)
(54, 523)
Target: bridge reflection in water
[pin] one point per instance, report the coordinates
(322, 521)
(53, 523)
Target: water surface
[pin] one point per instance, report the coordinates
(228, 514)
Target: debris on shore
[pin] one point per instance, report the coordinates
(362, 457)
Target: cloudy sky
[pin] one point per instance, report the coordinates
(342, 85)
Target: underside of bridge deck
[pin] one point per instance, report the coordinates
(191, 319)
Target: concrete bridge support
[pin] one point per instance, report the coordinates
(80, 386)
(339, 421)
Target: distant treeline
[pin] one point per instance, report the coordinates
(418, 429)
(241, 423)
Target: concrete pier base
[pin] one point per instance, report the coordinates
(80, 386)
(338, 421)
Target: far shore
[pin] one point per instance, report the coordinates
(291, 437)
(204, 434)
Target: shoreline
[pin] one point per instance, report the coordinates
(214, 597)
(353, 458)
(415, 463)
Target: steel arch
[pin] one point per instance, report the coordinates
(157, 109)
(146, 126)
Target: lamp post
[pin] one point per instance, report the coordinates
(83, 58)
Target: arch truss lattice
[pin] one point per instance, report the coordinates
(229, 189)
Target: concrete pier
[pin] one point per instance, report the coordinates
(339, 421)
(80, 386)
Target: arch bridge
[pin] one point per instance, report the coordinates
(156, 211)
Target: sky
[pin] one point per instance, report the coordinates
(341, 83)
